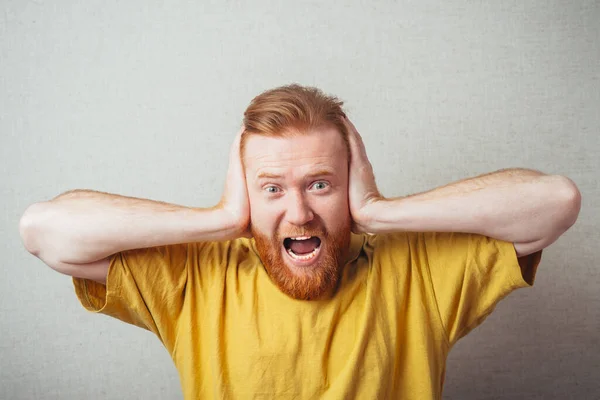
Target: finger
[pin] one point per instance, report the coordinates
(358, 151)
(236, 181)
(351, 135)
(235, 151)
(237, 140)
(359, 140)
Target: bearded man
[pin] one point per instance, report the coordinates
(304, 281)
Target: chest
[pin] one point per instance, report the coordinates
(254, 342)
(304, 353)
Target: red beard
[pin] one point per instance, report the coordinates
(317, 279)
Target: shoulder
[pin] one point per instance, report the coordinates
(392, 249)
(221, 252)
(391, 242)
(423, 247)
(218, 257)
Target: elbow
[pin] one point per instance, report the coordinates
(570, 204)
(29, 228)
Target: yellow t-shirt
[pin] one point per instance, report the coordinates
(403, 301)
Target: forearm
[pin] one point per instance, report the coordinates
(515, 205)
(84, 226)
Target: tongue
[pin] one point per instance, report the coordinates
(304, 246)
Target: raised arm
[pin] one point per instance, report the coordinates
(525, 207)
(76, 232)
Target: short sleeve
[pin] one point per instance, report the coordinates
(470, 274)
(144, 287)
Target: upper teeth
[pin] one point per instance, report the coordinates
(301, 238)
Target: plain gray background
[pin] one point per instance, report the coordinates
(143, 98)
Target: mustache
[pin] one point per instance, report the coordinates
(320, 233)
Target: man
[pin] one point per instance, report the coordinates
(270, 294)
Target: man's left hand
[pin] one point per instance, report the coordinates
(363, 194)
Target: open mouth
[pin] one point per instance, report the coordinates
(302, 248)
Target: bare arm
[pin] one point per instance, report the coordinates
(522, 206)
(77, 232)
(84, 226)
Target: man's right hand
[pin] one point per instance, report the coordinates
(235, 196)
(77, 231)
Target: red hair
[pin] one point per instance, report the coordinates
(291, 110)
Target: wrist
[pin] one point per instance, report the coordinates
(369, 218)
(232, 223)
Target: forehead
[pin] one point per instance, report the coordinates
(323, 147)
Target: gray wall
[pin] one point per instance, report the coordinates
(142, 98)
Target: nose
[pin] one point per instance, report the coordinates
(298, 211)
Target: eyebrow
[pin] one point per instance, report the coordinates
(320, 172)
(267, 175)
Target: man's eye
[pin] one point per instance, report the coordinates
(272, 189)
(320, 185)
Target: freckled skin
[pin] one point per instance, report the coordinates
(287, 199)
